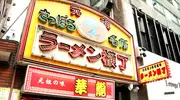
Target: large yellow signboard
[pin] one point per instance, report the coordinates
(72, 35)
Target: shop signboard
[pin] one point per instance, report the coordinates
(72, 35)
(4, 93)
(48, 81)
(154, 72)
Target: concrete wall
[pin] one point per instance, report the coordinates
(156, 89)
(148, 9)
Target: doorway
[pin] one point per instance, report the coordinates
(122, 92)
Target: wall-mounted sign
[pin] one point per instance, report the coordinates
(92, 29)
(52, 82)
(51, 45)
(68, 37)
(154, 72)
(4, 94)
(175, 85)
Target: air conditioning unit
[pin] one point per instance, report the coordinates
(140, 52)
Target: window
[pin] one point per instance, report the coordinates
(93, 2)
(170, 1)
(171, 16)
(174, 18)
(159, 7)
(178, 5)
(143, 33)
(175, 4)
(167, 14)
(179, 21)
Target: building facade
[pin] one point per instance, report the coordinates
(147, 34)
(157, 29)
(69, 52)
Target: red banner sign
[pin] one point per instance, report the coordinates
(51, 82)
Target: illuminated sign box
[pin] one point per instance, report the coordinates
(75, 36)
(154, 72)
(46, 81)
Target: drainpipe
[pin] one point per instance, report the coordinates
(14, 65)
(12, 84)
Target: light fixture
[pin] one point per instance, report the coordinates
(130, 87)
(135, 89)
